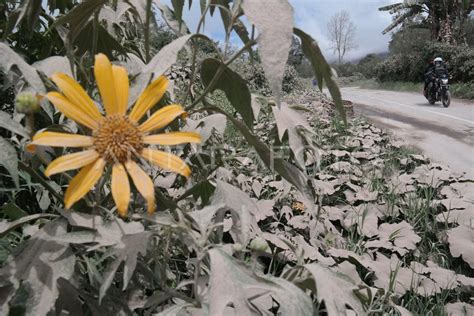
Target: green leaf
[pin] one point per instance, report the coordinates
(234, 87)
(7, 122)
(12, 211)
(106, 43)
(321, 69)
(11, 58)
(79, 17)
(202, 5)
(9, 160)
(28, 10)
(232, 283)
(178, 6)
(274, 22)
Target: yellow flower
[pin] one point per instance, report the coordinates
(117, 139)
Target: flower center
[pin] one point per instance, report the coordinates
(117, 139)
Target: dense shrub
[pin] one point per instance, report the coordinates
(253, 73)
(411, 67)
(367, 66)
(345, 70)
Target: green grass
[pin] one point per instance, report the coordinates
(458, 90)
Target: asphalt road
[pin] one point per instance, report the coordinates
(445, 135)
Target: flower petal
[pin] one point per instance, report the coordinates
(121, 88)
(162, 118)
(71, 162)
(54, 139)
(175, 138)
(83, 182)
(166, 161)
(76, 94)
(143, 184)
(152, 94)
(120, 188)
(105, 82)
(70, 110)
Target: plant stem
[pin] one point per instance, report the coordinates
(95, 39)
(197, 272)
(147, 30)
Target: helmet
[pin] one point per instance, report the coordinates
(438, 60)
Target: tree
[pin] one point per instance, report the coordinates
(469, 30)
(408, 40)
(444, 18)
(342, 34)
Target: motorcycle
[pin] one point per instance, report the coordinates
(438, 90)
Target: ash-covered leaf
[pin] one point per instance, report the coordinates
(265, 209)
(273, 20)
(7, 122)
(231, 282)
(459, 190)
(459, 309)
(437, 279)
(289, 121)
(127, 251)
(366, 217)
(461, 217)
(99, 232)
(427, 175)
(9, 160)
(335, 289)
(399, 237)
(10, 58)
(207, 125)
(461, 243)
(38, 264)
(241, 206)
(203, 217)
(166, 57)
(388, 269)
(53, 64)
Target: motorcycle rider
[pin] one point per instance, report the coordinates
(435, 69)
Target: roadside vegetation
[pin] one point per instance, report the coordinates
(416, 40)
(205, 179)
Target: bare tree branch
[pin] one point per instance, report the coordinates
(342, 34)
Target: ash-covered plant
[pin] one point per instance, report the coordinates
(96, 91)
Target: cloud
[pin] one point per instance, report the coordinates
(312, 16)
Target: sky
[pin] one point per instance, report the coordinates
(312, 16)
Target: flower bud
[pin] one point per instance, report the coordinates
(259, 244)
(27, 103)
